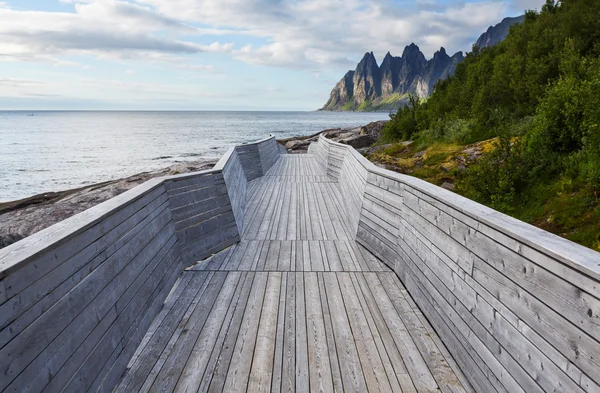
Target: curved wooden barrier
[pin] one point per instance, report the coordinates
(77, 298)
(517, 307)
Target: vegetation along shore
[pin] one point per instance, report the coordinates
(517, 127)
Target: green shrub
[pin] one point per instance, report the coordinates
(498, 178)
(459, 130)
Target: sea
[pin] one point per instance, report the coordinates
(42, 151)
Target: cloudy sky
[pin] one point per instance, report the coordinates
(215, 54)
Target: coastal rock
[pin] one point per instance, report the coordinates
(357, 137)
(297, 144)
(358, 141)
(373, 129)
(9, 239)
(30, 215)
(448, 186)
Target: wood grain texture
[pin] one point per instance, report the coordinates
(516, 307)
(77, 299)
(307, 316)
(322, 273)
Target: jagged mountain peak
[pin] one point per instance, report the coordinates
(440, 53)
(369, 56)
(411, 50)
(387, 86)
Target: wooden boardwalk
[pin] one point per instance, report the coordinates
(296, 306)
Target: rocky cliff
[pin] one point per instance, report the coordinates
(495, 34)
(386, 87)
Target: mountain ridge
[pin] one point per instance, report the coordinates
(386, 87)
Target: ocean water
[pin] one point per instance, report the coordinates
(45, 151)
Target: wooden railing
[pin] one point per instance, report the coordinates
(77, 298)
(517, 307)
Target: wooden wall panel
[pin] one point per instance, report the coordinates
(269, 153)
(77, 298)
(64, 323)
(235, 180)
(516, 306)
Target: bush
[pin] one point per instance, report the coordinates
(498, 178)
(403, 124)
(459, 131)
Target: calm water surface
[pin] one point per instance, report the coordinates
(52, 151)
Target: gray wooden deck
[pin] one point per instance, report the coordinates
(296, 306)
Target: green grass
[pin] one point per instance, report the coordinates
(349, 106)
(365, 106)
(566, 208)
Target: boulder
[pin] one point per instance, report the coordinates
(358, 141)
(448, 186)
(297, 144)
(9, 239)
(374, 128)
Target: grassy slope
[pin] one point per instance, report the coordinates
(560, 206)
(390, 103)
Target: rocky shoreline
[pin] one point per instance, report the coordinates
(361, 138)
(21, 218)
(24, 217)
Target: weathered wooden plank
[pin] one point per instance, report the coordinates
(16, 257)
(495, 330)
(331, 253)
(349, 362)
(438, 342)
(288, 369)
(302, 360)
(261, 373)
(299, 256)
(222, 355)
(280, 344)
(316, 259)
(285, 256)
(146, 368)
(272, 259)
(112, 371)
(494, 372)
(246, 258)
(318, 353)
(348, 262)
(375, 375)
(439, 368)
(366, 283)
(377, 336)
(239, 371)
(202, 339)
(102, 240)
(306, 256)
(282, 225)
(336, 376)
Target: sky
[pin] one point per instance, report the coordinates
(215, 54)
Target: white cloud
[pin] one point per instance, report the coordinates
(521, 5)
(320, 33)
(104, 28)
(299, 34)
